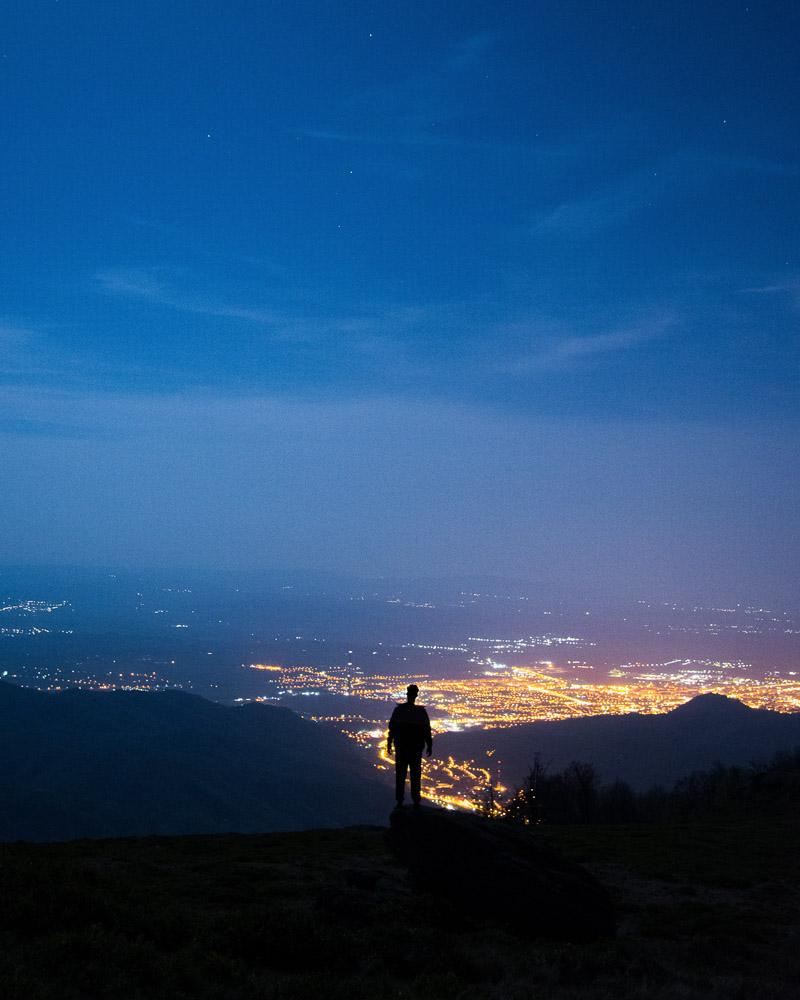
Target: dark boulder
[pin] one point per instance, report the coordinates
(501, 872)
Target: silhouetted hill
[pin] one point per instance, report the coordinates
(642, 750)
(709, 707)
(104, 764)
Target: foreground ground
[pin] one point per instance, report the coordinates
(705, 911)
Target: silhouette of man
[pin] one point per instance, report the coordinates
(409, 732)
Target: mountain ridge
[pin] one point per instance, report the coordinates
(640, 749)
(129, 763)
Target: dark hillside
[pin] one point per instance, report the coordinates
(82, 764)
(642, 750)
(707, 911)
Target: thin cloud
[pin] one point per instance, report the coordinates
(754, 165)
(13, 334)
(786, 289)
(588, 216)
(371, 332)
(417, 109)
(571, 351)
(787, 286)
(470, 52)
(143, 285)
(24, 427)
(615, 205)
(25, 354)
(401, 138)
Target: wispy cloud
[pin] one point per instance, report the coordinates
(615, 204)
(400, 337)
(752, 164)
(787, 290)
(587, 216)
(208, 250)
(37, 358)
(569, 352)
(372, 331)
(31, 427)
(424, 109)
(469, 52)
(13, 333)
(141, 284)
(23, 353)
(783, 287)
(403, 137)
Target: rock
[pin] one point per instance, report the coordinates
(496, 870)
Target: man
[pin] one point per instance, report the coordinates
(409, 732)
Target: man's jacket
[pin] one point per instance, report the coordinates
(410, 728)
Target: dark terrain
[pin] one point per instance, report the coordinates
(123, 763)
(705, 911)
(642, 750)
(705, 908)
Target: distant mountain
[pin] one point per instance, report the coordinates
(110, 764)
(641, 749)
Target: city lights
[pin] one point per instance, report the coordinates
(499, 696)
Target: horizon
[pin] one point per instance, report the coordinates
(318, 581)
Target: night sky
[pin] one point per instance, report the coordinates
(404, 289)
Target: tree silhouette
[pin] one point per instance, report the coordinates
(574, 795)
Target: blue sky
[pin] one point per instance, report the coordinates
(417, 289)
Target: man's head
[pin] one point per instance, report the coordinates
(411, 692)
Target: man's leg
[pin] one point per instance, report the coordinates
(400, 769)
(415, 766)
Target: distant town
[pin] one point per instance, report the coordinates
(502, 695)
(486, 660)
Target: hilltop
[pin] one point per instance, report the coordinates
(706, 911)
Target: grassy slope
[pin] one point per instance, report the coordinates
(706, 911)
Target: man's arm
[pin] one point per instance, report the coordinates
(390, 737)
(428, 734)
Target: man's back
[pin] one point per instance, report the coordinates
(410, 727)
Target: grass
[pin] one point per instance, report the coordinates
(705, 911)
